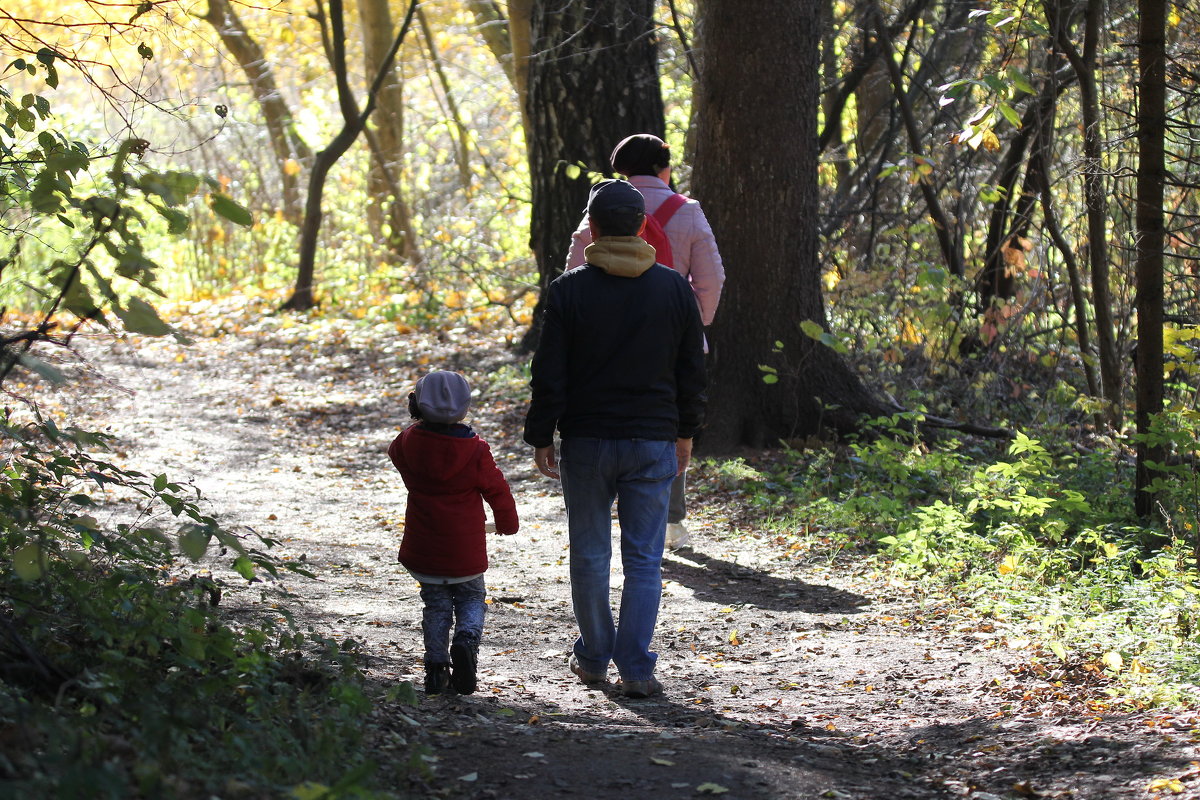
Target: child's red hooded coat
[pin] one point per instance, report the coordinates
(448, 478)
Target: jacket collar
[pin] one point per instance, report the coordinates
(623, 256)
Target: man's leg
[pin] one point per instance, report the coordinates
(643, 492)
(589, 490)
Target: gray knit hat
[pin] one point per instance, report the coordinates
(443, 397)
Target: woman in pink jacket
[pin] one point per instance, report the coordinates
(645, 160)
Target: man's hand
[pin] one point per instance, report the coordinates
(683, 454)
(547, 462)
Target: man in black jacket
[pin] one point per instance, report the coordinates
(619, 371)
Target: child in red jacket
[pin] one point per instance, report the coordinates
(449, 471)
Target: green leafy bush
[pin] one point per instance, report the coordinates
(119, 674)
(1043, 542)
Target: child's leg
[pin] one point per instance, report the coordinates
(436, 620)
(469, 611)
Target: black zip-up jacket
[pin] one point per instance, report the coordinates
(621, 354)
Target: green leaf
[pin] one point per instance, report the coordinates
(177, 221)
(402, 692)
(1010, 114)
(145, 52)
(1019, 80)
(244, 567)
(193, 541)
(230, 210)
(140, 317)
(27, 562)
(811, 329)
(47, 371)
(173, 187)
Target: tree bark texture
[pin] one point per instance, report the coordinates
(1151, 176)
(756, 174)
(593, 80)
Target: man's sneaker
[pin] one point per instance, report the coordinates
(639, 689)
(464, 659)
(437, 678)
(677, 536)
(583, 674)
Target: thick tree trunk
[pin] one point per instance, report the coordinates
(1151, 175)
(593, 80)
(286, 143)
(756, 174)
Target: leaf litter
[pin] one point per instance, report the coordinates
(785, 677)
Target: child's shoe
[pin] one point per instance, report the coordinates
(437, 678)
(464, 658)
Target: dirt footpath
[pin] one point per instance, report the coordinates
(785, 677)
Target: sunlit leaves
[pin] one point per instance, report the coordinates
(226, 207)
(814, 331)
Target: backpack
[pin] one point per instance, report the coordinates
(654, 232)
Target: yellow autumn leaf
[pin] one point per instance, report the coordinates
(1172, 785)
(711, 788)
(1113, 661)
(1009, 564)
(662, 762)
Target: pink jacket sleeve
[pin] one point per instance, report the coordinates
(696, 257)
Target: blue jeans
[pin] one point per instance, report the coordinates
(637, 474)
(457, 605)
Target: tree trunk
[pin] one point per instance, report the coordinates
(762, 202)
(1095, 193)
(387, 211)
(593, 81)
(286, 143)
(1151, 174)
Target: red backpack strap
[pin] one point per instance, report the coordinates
(668, 208)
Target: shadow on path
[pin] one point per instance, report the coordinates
(724, 582)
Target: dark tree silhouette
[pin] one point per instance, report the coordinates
(593, 80)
